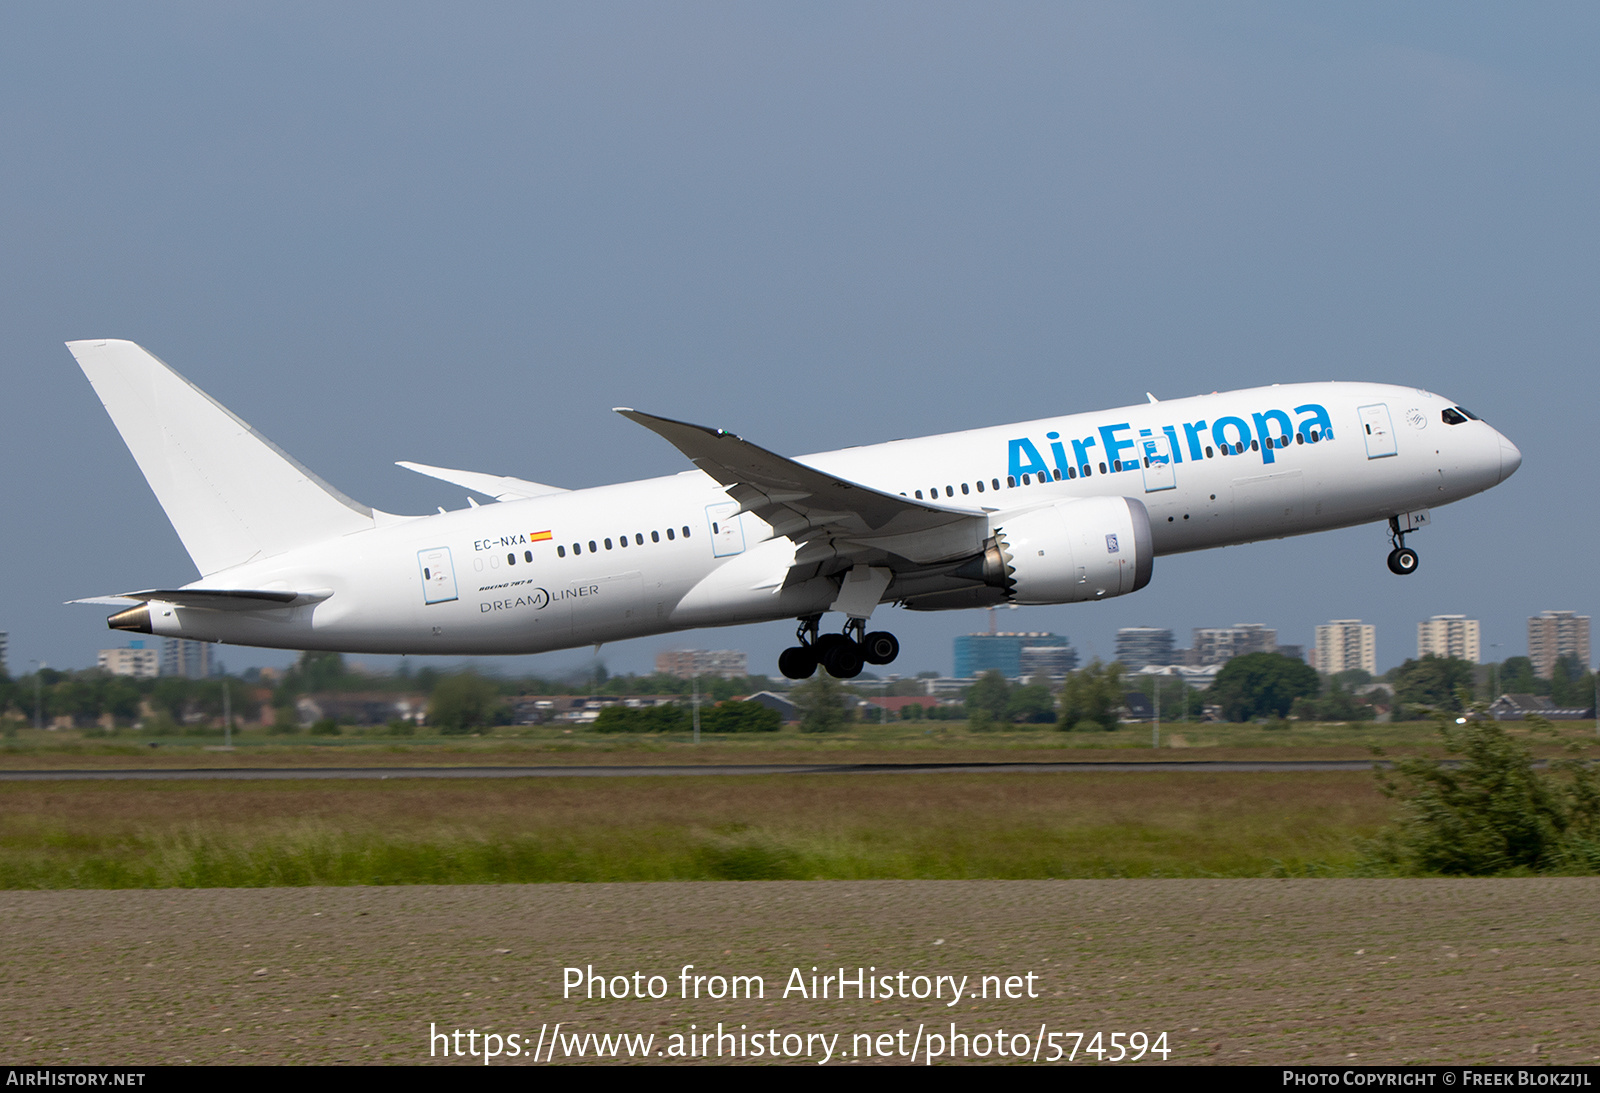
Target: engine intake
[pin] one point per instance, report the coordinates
(1085, 549)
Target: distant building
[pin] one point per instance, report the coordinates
(1344, 644)
(182, 657)
(690, 663)
(1055, 661)
(135, 661)
(979, 653)
(1449, 636)
(1517, 707)
(1218, 645)
(1556, 634)
(1293, 652)
(1138, 646)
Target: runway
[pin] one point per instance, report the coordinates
(691, 770)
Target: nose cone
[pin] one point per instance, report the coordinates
(1510, 459)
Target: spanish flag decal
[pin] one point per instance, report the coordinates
(538, 536)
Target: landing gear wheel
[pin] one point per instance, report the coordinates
(824, 642)
(880, 647)
(1403, 560)
(798, 662)
(842, 659)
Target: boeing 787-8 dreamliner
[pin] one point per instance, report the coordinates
(1061, 509)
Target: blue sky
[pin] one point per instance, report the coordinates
(461, 234)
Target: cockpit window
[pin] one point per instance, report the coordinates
(1453, 417)
(1469, 413)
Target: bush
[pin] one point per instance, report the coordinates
(820, 701)
(326, 727)
(740, 717)
(670, 718)
(463, 702)
(1494, 813)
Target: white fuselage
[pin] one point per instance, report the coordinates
(553, 572)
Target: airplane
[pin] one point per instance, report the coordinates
(1065, 509)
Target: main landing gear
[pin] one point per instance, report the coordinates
(840, 655)
(1402, 559)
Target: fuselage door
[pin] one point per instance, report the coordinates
(1379, 430)
(727, 534)
(438, 575)
(1156, 456)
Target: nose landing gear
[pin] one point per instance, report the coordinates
(1402, 559)
(840, 655)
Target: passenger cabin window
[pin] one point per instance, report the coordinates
(561, 552)
(638, 539)
(919, 495)
(686, 531)
(655, 536)
(980, 485)
(592, 548)
(669, 534)
(511, 559)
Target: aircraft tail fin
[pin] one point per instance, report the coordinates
(231, 494)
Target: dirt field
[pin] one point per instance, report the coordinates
(1234, 971)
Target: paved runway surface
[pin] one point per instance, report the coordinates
(692, 770)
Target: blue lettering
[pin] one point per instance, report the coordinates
(1219, 432)
(1268, 441)
(1035, 464)
(1080, 449)
(1172, 443)
(1318, 415)
(1191, 429)
(1113, 444)
(1058, 453)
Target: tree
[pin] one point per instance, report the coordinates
(1092, 695)
(1262, 685)
(1492, 813)
(1571, 683)
(462, 702)
(1030, 704)
(990, 694)
(820, 701)
(1433, 681)
(1517, 678)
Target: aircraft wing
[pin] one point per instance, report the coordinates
(500, 487)
(825, 514)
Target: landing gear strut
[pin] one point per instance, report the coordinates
(841, 655)
(1402, 559)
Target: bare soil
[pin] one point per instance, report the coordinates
(1235, 971)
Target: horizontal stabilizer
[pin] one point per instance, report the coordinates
(803, 503)
(231, 494)
(215, 599)
(500, 487)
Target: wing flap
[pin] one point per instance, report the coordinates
(805, 504)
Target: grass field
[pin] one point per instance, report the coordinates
(949, 741)
(881, 826)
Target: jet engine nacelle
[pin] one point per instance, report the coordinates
(1085, 549)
